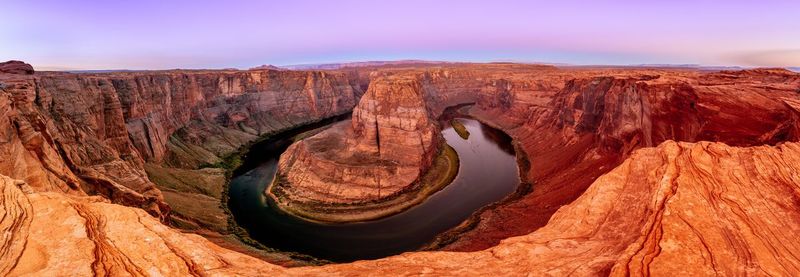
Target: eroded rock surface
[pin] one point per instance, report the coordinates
(613, 193)
(53, 234)
(691, 209)
(93, 133)
(391, 140)
(574, 132)
(679, 208)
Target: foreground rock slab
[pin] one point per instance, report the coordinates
(56, 235)
(680, 208)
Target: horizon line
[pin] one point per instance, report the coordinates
(358, 63)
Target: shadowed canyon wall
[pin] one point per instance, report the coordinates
(613, 192)
(92, 133)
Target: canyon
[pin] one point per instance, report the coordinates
(626, 171)
(390, 143)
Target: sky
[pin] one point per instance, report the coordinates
(163, 34)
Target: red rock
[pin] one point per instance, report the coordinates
(92, 133)
(591, 124)
(679, 208)
(612, 193)
(16, 67)
(391, 141)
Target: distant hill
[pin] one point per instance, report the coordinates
(268, 67)
(795, 69)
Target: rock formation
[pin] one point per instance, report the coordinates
(53, 234)
(634, 171)
(93, 133)
(679, 208)
(390, 142)
(576, 132)
(16, 67)
(392, 139)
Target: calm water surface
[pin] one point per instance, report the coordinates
(488, 172)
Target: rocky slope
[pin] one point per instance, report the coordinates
(679, 208)
(55, 235)
(691, 209)
(613, 193)
(93, 133)
(575, 132)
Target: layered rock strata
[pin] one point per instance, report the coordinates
(392, 138)
(575, 132)
(679, 208)
(93, 133)
(612, 194)
(57, 235)
(389, 143)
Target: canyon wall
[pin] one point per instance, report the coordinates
(391, 140)
(613, 193)
(679, 208)
(93, 133)
(689, 209)
(575, 132)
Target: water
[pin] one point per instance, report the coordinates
(488, 172)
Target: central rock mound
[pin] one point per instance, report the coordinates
(381, 153)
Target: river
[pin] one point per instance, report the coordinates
(488, 173)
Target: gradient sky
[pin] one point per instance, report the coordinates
(164, 34)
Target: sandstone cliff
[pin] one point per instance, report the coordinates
(689, 209)
(574, 132)
(391, 140)
(93, 133)
(612, 194)
(679, 208)
(57, 235)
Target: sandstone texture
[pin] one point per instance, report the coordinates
(688, 209)
(93, 133)
(575, 132)
(57, 235)
(679, 208)
(633, 171)
(389, 143)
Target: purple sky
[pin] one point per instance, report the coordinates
(149, 34)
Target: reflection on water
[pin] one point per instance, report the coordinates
(488, 172)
